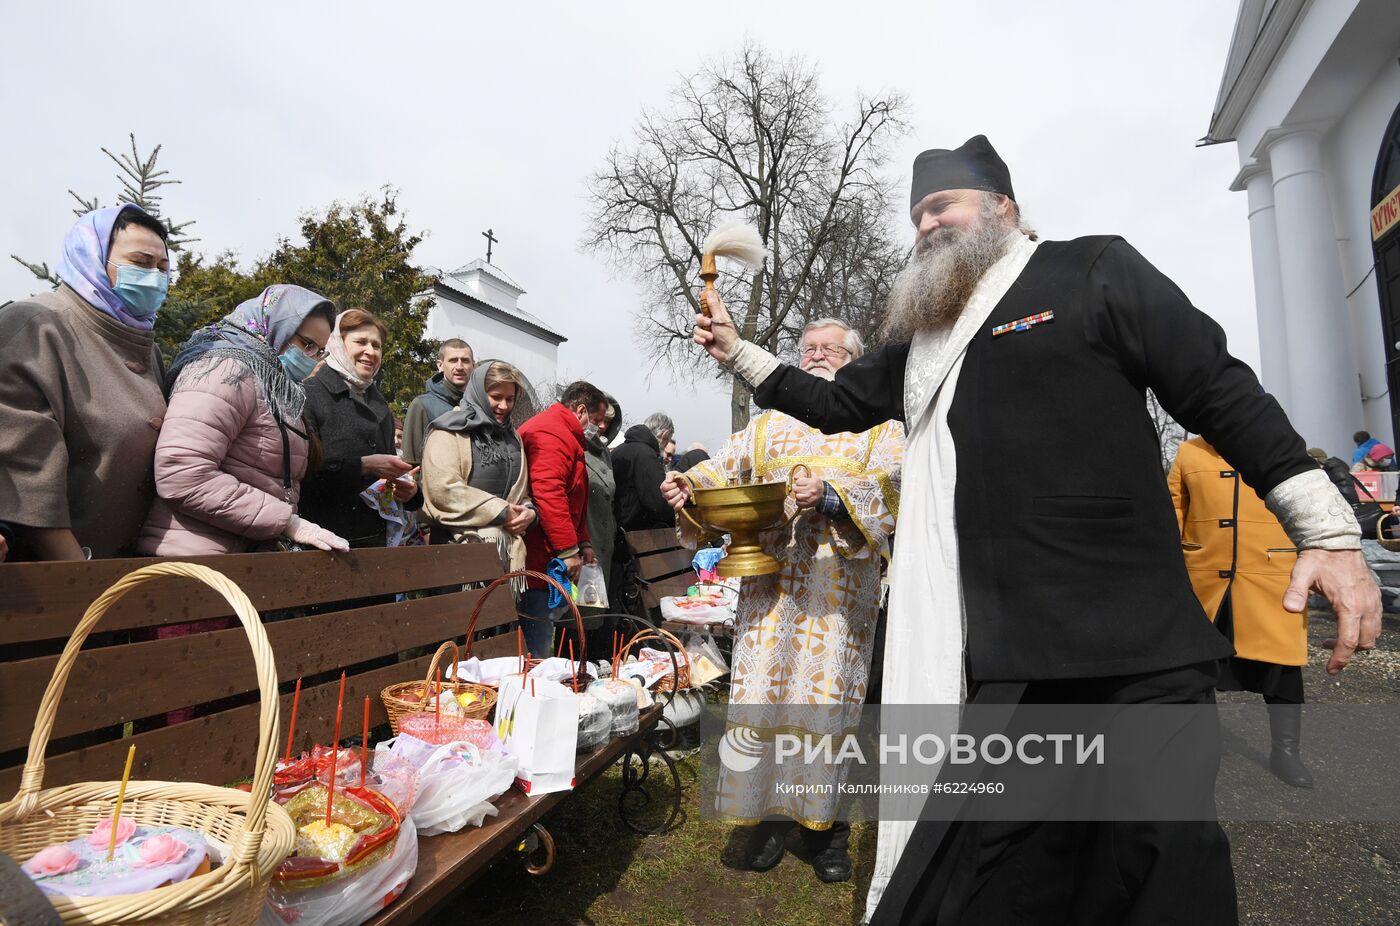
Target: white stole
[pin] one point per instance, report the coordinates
(925, 623)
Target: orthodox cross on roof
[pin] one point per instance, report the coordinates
(490, 240)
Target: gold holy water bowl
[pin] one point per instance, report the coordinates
(743, 512)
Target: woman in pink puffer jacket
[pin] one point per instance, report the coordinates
(233, 447)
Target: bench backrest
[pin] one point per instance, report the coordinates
(663, 565)
(126, 674)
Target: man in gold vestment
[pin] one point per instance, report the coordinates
(803, 636)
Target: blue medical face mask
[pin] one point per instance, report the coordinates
(296, 363)
(141, 289)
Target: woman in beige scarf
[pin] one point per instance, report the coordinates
(475, 479)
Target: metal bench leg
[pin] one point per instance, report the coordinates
(536, 842)
(635, 799)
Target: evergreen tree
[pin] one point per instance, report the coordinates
(359, 254)
(140, 179)
(203, 292)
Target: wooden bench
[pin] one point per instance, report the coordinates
(319, 623)
(664, 571)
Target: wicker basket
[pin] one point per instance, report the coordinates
(530, 662)
(668, 682)
(396, 704)
(1388, 524)
(259, 833)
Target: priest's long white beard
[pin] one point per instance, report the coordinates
(941, 274)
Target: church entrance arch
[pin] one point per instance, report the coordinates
(1385, 241)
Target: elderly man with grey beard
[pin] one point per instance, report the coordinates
(803, 636)
(1061, 583)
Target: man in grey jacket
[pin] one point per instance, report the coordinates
(455, 364)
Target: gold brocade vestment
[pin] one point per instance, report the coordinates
(803, 636)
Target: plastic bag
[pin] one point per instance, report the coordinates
(620, 699)
(558, 669)
(594, 722)
(707, 663)
(456, 782)
(388, 774)
(706, 563)
(711, 603)
(352, 899)
(591, 591)
(487, 671)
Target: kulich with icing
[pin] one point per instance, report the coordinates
(146, 857)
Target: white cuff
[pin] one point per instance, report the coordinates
(1313, 513)
(751, 363)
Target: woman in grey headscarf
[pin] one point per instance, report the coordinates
(233, 448)
(475, 479)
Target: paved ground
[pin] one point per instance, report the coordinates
(1319, 874)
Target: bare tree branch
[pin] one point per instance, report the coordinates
(750, 137)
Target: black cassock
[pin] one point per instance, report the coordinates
(1073, 579)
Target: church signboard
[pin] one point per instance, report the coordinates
(1385, 215)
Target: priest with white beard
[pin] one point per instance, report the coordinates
(1060, 582)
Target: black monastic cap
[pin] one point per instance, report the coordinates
(973, 166)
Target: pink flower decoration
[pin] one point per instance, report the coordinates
(55, 860)
(102, 835)
(164, 849)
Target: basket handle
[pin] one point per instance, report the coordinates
(647, 635)
(245, 846)
(433, 666)
(531, 574)
(1382, 523)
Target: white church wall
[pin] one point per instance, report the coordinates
(537, 359)
(1274, 102)
(1349, 159)
(1319, 81)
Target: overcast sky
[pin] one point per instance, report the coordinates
(493, 114)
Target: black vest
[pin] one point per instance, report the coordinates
(1070, 552)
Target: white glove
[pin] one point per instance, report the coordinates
(307, 534)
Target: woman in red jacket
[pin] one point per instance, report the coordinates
(554, 442)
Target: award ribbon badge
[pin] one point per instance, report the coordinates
(1024, 324)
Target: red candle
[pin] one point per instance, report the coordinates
(292, 727)
(335, 748)
(437, 702)
(364, 744)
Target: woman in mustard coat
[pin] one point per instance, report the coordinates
(1239, 560)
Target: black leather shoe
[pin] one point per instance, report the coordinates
(832, 865)
(767, 845)
(830, 858)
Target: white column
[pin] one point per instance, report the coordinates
(1258, 183)
(1325, 404)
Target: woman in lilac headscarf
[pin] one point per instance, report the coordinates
(80, 392)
